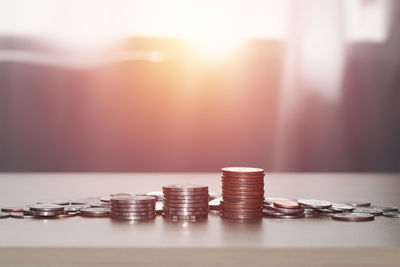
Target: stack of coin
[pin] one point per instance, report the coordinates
(45, 210)
(185, 202)
(133, 208)
(242, 193)
(283, 209)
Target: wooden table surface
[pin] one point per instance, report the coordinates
(102, 241)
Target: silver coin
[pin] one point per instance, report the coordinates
(45, 213)
(353, 217)
(286, 216)
(384, 209)
(215, 204)
(358, 203)
(27, 211)
(329, 210)
(4, 215)
(392, 214)
(84, 200)
(20, 215)
(315, 203)
(54, 201)
(46, 207)
(74, 208)
(341, 207)
(375, 212)
(99, 204)
(267, 212)
(133, 200)
(283, 210)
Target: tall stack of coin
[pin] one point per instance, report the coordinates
(242, 193)
(133, 208)
(185, 202)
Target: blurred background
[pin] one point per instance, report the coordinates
(154, 85)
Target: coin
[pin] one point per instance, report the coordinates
(185, 217)
(215, 204)
(358, 203)
(242, 170)
(73, 208)
(99, 204)
(185, 213)
(286, 216)
(20, 215)
(239, 216)
(314, 203)
(46, 207)
(37, 213)
(54, 201)
(341, 207)
(84, 201)
(289, 211)
(133, 218)
(159, 207)
(185, 188)
(270, 200)
(213, 196)
(12, 209)
(66, 215)
(392, 214)
(353, 217)
(373, 211)
(4, 215)
(129, 214)
(95, 212)
(384, 209)
(287, 204)
(132, 200)
(187, 197)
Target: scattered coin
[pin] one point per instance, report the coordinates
(95, 212)
(54, 201)
(358, 203)
(384, 209)
(373, 211)
(4, 215)
(392, 214)
(315, 203)
(74, 208)
(20, 215)
(341, 207)
(287, 204)
(353, 217)
(12, 209)
(46, 207)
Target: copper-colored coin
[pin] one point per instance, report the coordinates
(240, 197)
(246, 201)
(132, 210)
(258, 194)
(122, 214)
(185, 188)
(187, 205)
(240, 217)
(168, 208)
(186, 201)
(133, 200)
(287, 204)
(243, 188)
(186, 197)
(66, 215)
(134, 218)
(236, 180)
(186, 213)
(95, 212)
(353, 217)
(12, 209)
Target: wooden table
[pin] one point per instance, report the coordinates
(101, 241)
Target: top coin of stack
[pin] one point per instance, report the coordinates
(242, 193)
(133, 208)
(185, 202)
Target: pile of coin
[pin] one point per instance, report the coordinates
(283, 209)
(185, 202)
(133, 208)
(242, 193)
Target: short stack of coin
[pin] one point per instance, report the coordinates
(242, 193)
(283, 209)
(185, 202)
(133, 208)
